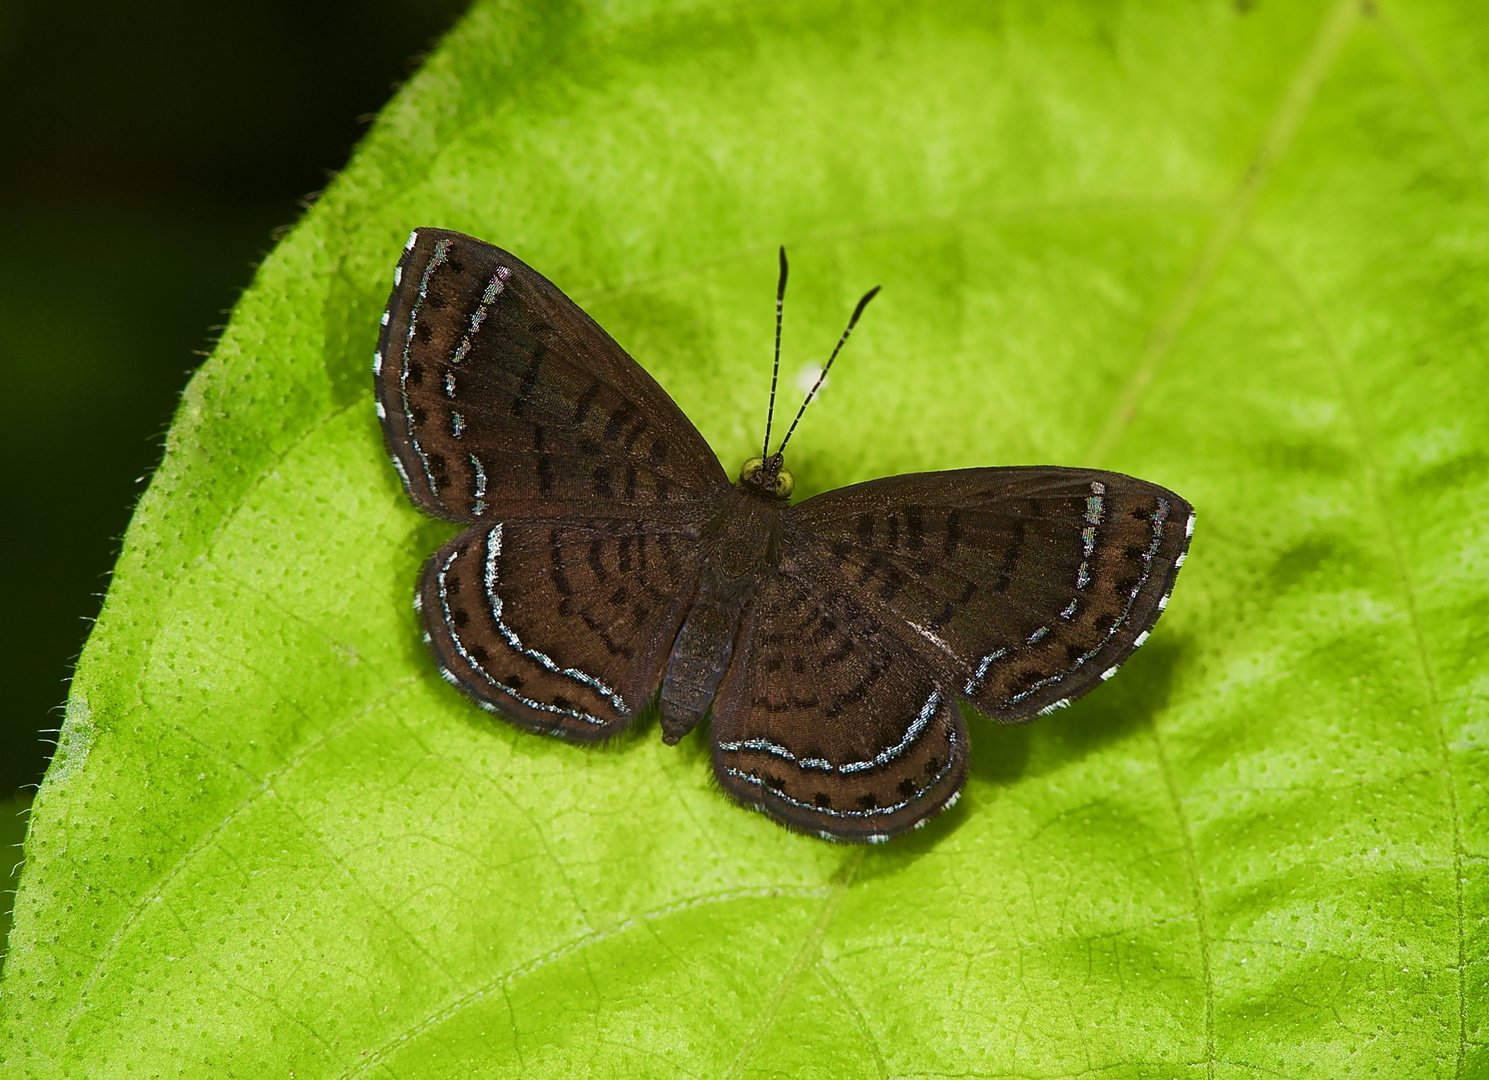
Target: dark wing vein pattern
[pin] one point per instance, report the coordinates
(1026, 587)
(495, 389)
(830, 723)
(561, 627)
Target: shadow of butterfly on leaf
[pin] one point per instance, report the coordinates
(608, 562)
(1009, 753)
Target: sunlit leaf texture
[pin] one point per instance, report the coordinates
(1240, 249)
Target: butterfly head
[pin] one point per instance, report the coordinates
(767, 477)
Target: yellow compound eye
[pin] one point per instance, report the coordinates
(785, 482)
(751, 467)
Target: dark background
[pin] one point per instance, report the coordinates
(149, 152)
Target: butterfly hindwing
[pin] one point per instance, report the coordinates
(561, 627)
(829, 723)
(1031, 584)
(498, 394)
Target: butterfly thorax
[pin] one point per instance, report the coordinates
(744, 551)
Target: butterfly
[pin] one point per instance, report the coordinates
(608, 563)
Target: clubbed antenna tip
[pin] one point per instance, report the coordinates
(775, 371)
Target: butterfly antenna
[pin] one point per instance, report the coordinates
(775, 371)
(852, 322)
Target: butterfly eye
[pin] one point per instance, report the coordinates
(752, 468)
(785, 483)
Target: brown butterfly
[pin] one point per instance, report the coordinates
(610, 563)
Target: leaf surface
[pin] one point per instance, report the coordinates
(1239, 250)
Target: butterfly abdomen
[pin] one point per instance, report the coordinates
(745, 543)
(700, 657)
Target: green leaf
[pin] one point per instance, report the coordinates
(1238, 249)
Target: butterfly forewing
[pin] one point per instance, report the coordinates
(1027, 585)
(829, 723)
(497, 391)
